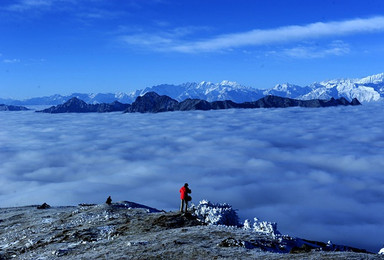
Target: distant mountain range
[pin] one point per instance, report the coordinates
(366, 89)
(151, 102)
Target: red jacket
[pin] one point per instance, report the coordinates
(184, 192)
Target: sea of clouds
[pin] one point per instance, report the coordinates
(319, 173)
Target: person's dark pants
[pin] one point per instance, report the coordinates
(184, 203)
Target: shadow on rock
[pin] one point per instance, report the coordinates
(176, 220)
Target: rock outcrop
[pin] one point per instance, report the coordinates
(152, 102)
(12, 108)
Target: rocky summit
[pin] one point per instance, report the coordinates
(75, 105)
(152, 102)
(127, 230)
(12, 108)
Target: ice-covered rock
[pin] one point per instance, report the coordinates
(261, 226)
(216, 213)
(265, 227)
(247, 225)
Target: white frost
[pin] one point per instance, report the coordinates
(216, 213)
(261, 226)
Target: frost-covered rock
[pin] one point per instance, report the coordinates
(224, 214)
(261, 226)
(216, 214)
(247, 225)
(265, 227)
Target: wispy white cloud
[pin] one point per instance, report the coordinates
(149, 40)
(11, 60)
(85, 9)
(165, 40)
(285, 34)
(26, 5)
(258, 37)
(312, 51)
(98, 14)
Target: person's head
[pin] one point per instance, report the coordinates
(186, 185)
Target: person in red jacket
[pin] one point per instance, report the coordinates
(185, 198)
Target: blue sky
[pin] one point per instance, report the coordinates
(65, 46)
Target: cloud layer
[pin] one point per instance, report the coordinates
(317, 172)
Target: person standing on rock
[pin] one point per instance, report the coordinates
(109, 200)
(185, 198)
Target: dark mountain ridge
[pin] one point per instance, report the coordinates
(151, 102)
(75, 105)
(12, 108)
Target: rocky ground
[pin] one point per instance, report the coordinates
(127, 230)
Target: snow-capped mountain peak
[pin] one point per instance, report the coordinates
(365, 89)
(204, 83)
(229, 83)
(374, 79)
(287, 90)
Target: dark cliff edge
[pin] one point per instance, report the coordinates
(152, 102)
(75, 105)
(12, 108)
